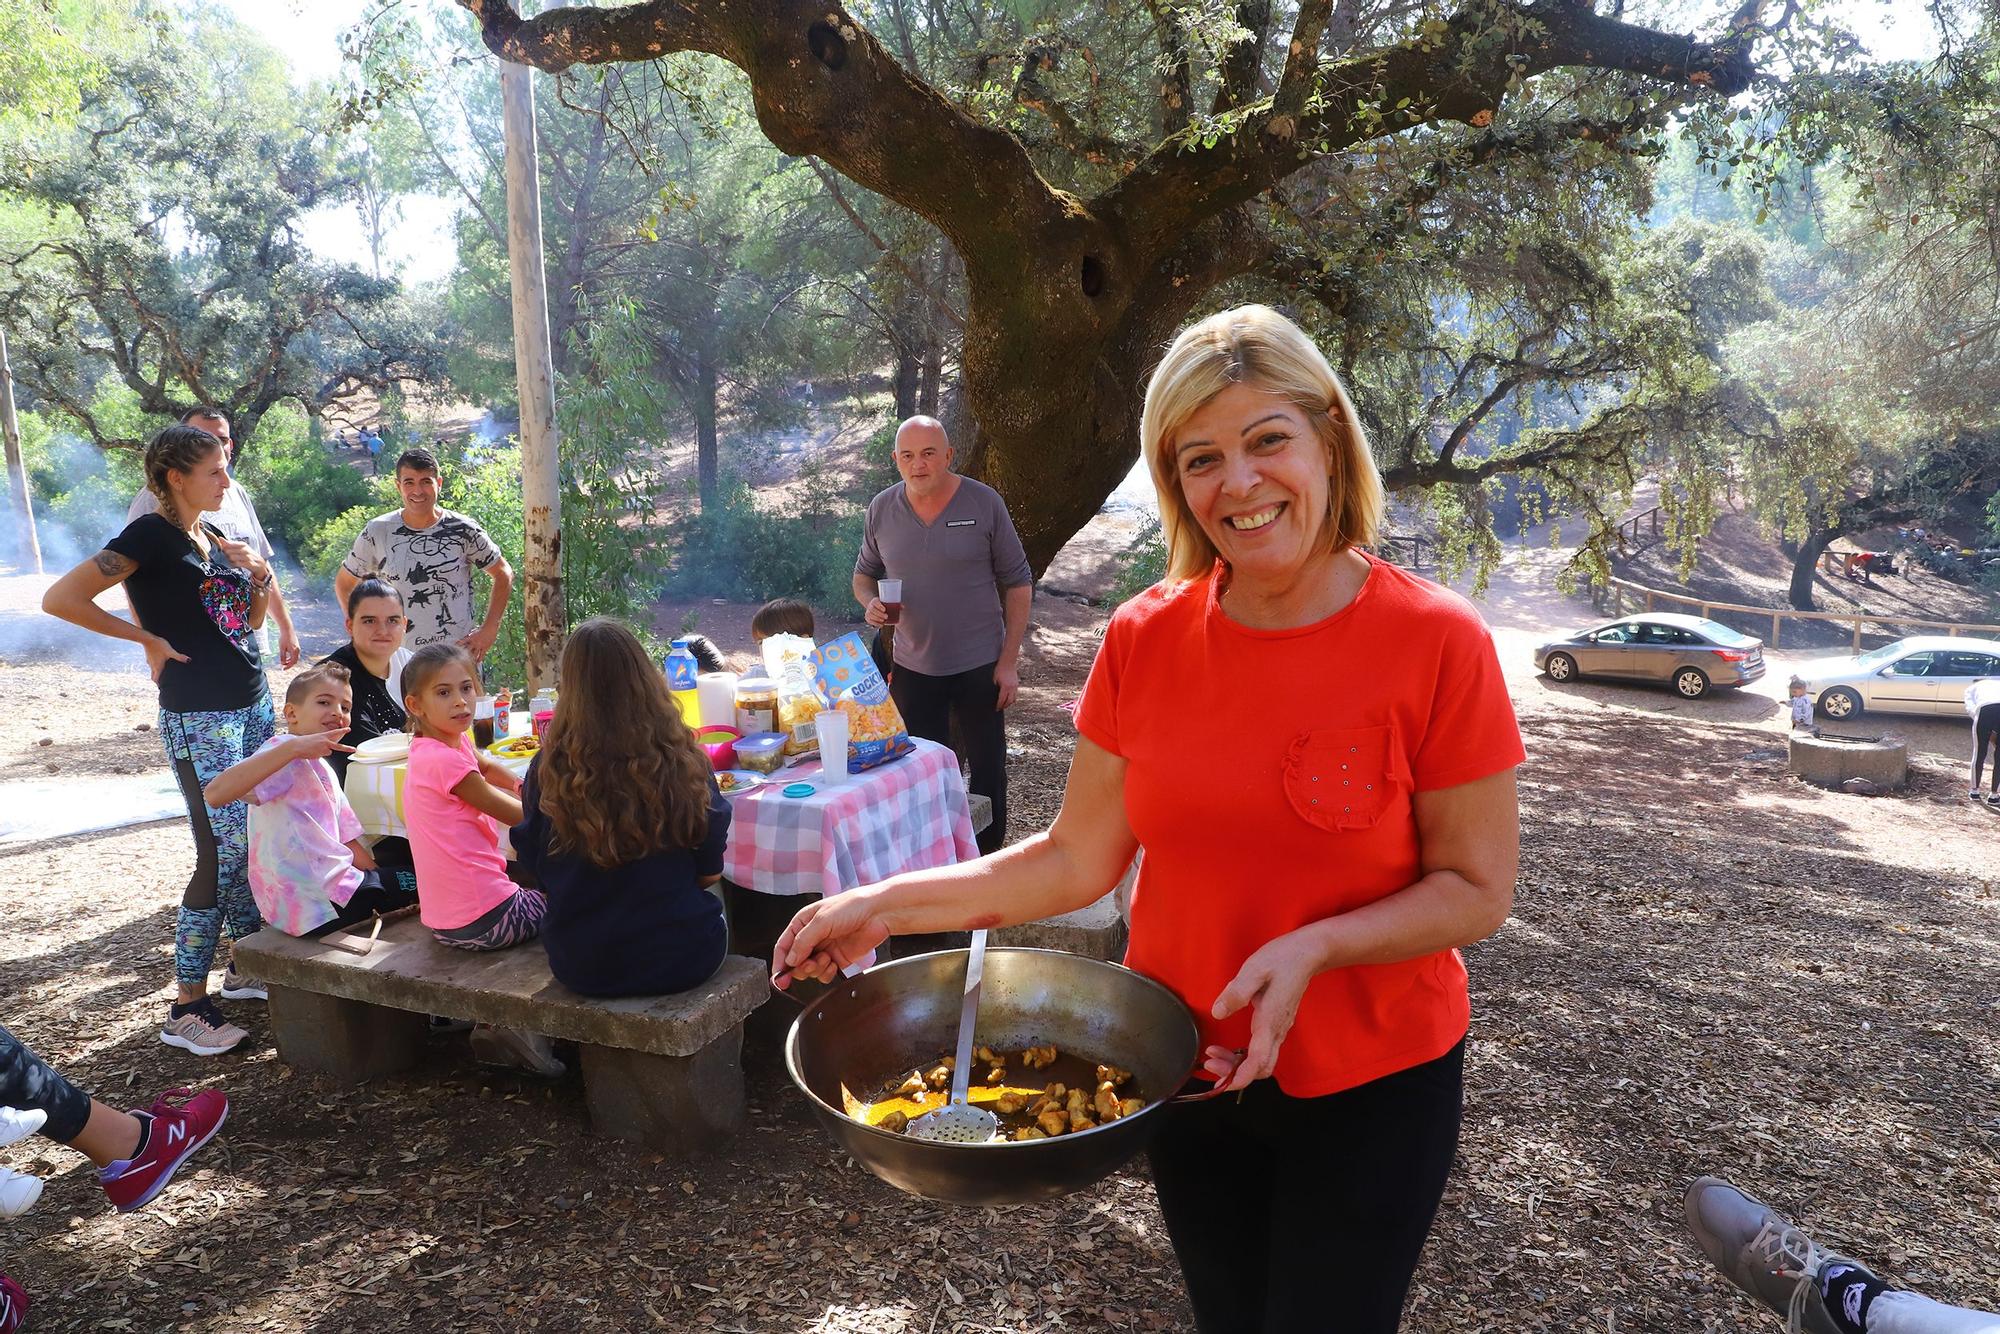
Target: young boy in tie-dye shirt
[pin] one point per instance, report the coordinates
(309, 870)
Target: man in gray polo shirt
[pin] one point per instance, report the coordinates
(966, 592)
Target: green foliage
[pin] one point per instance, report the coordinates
(612, 557)
(77, 489)
(490, 492)
(299, 486)
(321, 553)
(1142, 564)
(153, 240)
(738, 550)
(51, 54)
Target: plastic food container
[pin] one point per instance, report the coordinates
(761, 753)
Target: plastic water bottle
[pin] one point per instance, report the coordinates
(683, 679)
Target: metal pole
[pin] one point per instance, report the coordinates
(17, 472)
(534, 371)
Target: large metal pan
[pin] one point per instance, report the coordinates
(874, 1027)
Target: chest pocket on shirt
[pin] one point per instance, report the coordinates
(1344, 777)
(965, 543)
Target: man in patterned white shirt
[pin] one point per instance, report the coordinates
(429, 554)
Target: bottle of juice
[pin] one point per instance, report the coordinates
(683, 674)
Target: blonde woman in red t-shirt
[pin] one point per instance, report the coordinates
(1316, 751)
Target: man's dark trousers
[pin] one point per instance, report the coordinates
(928, 704)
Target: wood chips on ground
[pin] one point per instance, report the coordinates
(1710, 968)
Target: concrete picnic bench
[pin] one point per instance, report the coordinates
(664, 1071)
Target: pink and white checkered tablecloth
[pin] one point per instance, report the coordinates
(907, 815)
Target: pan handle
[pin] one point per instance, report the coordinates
(1214, 1089)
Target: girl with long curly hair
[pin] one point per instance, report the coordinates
(623, 827)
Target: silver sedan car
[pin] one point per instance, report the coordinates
(1922, 674)
(1690, 652)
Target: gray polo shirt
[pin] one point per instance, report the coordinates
(952, 571)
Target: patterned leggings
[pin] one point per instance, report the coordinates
(512, 922)
(29, 1083)
(200, 746)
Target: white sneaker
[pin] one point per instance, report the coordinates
(202, 1030)
(18, 1193)
(17, 1123)
(236, 986)
(511, 1049)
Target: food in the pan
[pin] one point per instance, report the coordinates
(1038, 1092)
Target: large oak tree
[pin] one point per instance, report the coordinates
(153, 238)
(1084, 250)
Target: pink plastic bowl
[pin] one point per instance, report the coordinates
(720, 743)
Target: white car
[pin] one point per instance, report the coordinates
(1926, 674)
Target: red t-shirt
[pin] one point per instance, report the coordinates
(1269, 776)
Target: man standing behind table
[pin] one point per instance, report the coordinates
(428, 554)
(238, 521)
(966, 592)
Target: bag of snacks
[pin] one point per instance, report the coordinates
(847, 680)
(788, 661)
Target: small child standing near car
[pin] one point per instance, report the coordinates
(1802, 706)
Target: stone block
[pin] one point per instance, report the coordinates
(1096, 931)
(675, 1105)
(982, 811)
(346, 1040)
(1831, 760)
(407, 969)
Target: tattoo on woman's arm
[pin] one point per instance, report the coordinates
(114, 566)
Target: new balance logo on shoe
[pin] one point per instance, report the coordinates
(177, 1129)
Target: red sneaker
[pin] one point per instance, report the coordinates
(13, 1305)
(175, 1131)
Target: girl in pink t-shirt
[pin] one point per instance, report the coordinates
(452, 800)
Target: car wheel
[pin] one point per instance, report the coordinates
(1840, 702)
(1692, 682)
(1560, 667)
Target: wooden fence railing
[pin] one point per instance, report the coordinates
(1391, 547)
(1629, 540)
(1618, 588)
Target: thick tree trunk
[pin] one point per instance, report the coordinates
(707, 461)
(1805, 564)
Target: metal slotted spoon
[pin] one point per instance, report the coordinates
(958, 1121)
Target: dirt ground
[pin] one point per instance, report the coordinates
(1709, 968)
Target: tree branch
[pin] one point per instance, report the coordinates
(1244, 62)
(1457, 73)
(887, 252)
(823, 86)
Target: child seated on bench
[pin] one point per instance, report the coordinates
(623, 827)
(309, 870)
(454, 801)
